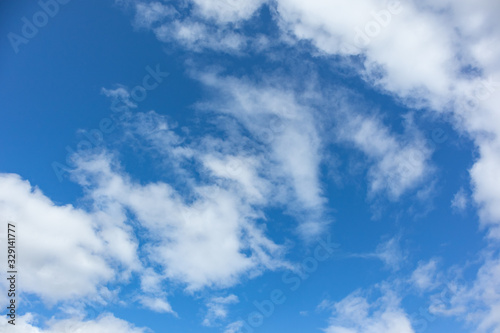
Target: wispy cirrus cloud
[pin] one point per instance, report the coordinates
(478, 303)
(356, 314)
(400, 162)
(420, 69)
(437, 57)
(217, 309)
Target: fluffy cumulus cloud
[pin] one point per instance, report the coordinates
(206, 231)
(411, 50)
(485, 175)
(199, 243)
(208, 236)
(68, 253)
(354, 314)
(203, 232)
(409, 47)
(104, 324)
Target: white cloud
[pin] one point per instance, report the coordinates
(197, 31)
(276, 118)
(486, 188)
(151, 281)
(104, 324)
(399, 166)
(148, 14)
(64, 256)
(400, 163)
(154, 295)
(199, 36)
(373, 28)
(234, 327)
(417, 51)
(225, 11)
(199, 243)
(156, 304)
(414, 56)
(460, 200)
(242, 170)
(479, 303)
(119, 95)
(354, 314)
(217, 309)
(390, 253)
(419, 57)
(424, 277)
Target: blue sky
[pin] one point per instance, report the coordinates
(251, 166)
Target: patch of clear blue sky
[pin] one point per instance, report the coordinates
(52, 87)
